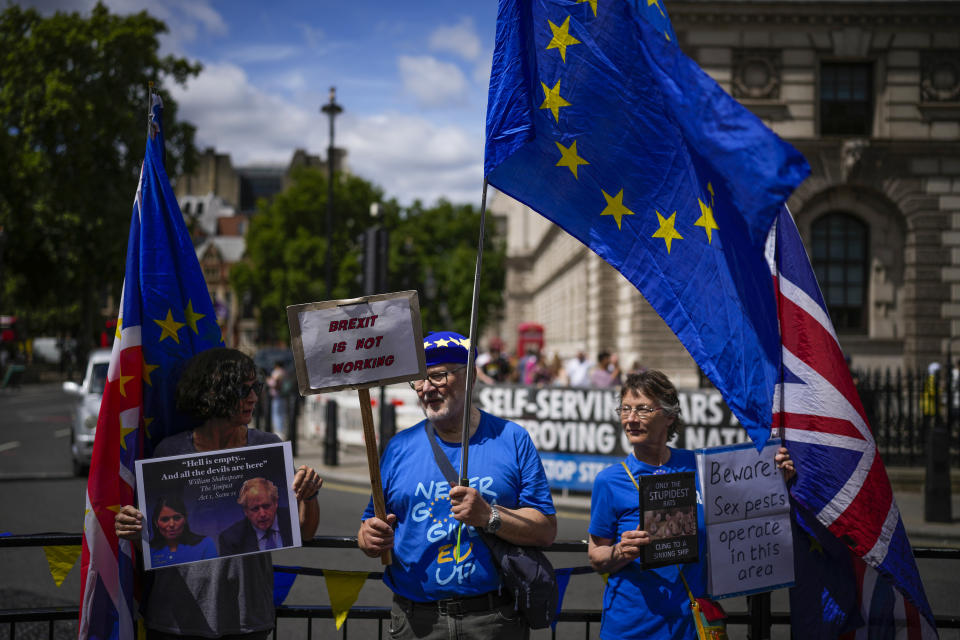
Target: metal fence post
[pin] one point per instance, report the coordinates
(294, 402)
(388, 424)
(330, 443)
(758, 608)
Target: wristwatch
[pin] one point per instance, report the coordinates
(493, 524)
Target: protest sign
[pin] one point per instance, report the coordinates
(747, 513)
(192, 504)
(668, 507)
(357, 343)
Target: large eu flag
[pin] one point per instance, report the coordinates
(599, 122)
(166, 316)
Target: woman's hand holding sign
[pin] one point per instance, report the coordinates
(785, 463)
(128, 523)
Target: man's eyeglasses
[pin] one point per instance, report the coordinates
(256, 387)
(641, 410)
(437, 378)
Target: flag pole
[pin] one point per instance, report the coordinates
(471, 365)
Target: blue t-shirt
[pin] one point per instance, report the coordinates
(203, 550)
(504, 467)
(644, 603)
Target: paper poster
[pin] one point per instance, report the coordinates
(747, 513)
(358, 343)
(215, 504)
(668, 504)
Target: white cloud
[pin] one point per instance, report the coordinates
(409, 156)
(460, 39)
(432, 82)
(185, 19)
(261, 53)
(238, 118)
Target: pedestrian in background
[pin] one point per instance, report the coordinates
(278, 402)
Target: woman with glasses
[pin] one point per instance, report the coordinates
(228, 596)
(651, 602)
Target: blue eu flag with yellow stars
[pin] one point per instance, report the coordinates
(599, 122)
(166, 316)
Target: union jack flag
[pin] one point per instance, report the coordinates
(841, 480)
(166, 316)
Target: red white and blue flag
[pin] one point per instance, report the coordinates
(166, 316)
(841, 491)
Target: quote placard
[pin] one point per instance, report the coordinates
(747, 513)
(216, 504)
(357, 343)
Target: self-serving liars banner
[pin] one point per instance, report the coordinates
(357, 343)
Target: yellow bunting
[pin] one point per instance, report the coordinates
(343, 587)
(61, 559)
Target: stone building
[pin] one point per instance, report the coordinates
(217, 201)
(869, 92)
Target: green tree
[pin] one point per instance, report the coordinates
(434, 250)
(431, 250)
(73, 116)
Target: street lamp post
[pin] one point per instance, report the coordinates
(332, 109)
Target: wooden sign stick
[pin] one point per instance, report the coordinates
(373, 463)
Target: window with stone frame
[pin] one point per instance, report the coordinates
(839, 243)
(756, 74)
(846, 98)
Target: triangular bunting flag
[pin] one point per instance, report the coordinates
(343, 588)
(282, 583)
(563, 579)
(61, 559)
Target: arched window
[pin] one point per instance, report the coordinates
(840, 261)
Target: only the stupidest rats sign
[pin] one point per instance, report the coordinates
(747, 513)
(357, 343)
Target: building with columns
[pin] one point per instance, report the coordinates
(869, 92)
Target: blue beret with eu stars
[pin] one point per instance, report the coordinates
(441, 347)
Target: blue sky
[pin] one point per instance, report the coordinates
(411, 76)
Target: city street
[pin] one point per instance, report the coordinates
(42, 496)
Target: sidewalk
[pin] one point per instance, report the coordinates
(907, 488)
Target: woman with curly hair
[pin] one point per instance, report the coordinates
(643, 602)
(172, 541)
(227, 597)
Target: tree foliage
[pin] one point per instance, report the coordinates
(73, 110)
(432, 250)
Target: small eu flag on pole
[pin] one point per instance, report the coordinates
(599, 122)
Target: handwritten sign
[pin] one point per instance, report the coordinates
(357, 343)
(747, 513)
(191, 509)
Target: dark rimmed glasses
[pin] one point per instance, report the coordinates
(256, 387)
(641, 410)
(436, 378)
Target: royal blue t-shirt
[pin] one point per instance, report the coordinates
(203, 550)
(637, 602)
(504, 467)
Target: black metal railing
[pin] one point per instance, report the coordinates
(902, 408)
(758, 619)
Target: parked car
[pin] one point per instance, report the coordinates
(89, 393)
